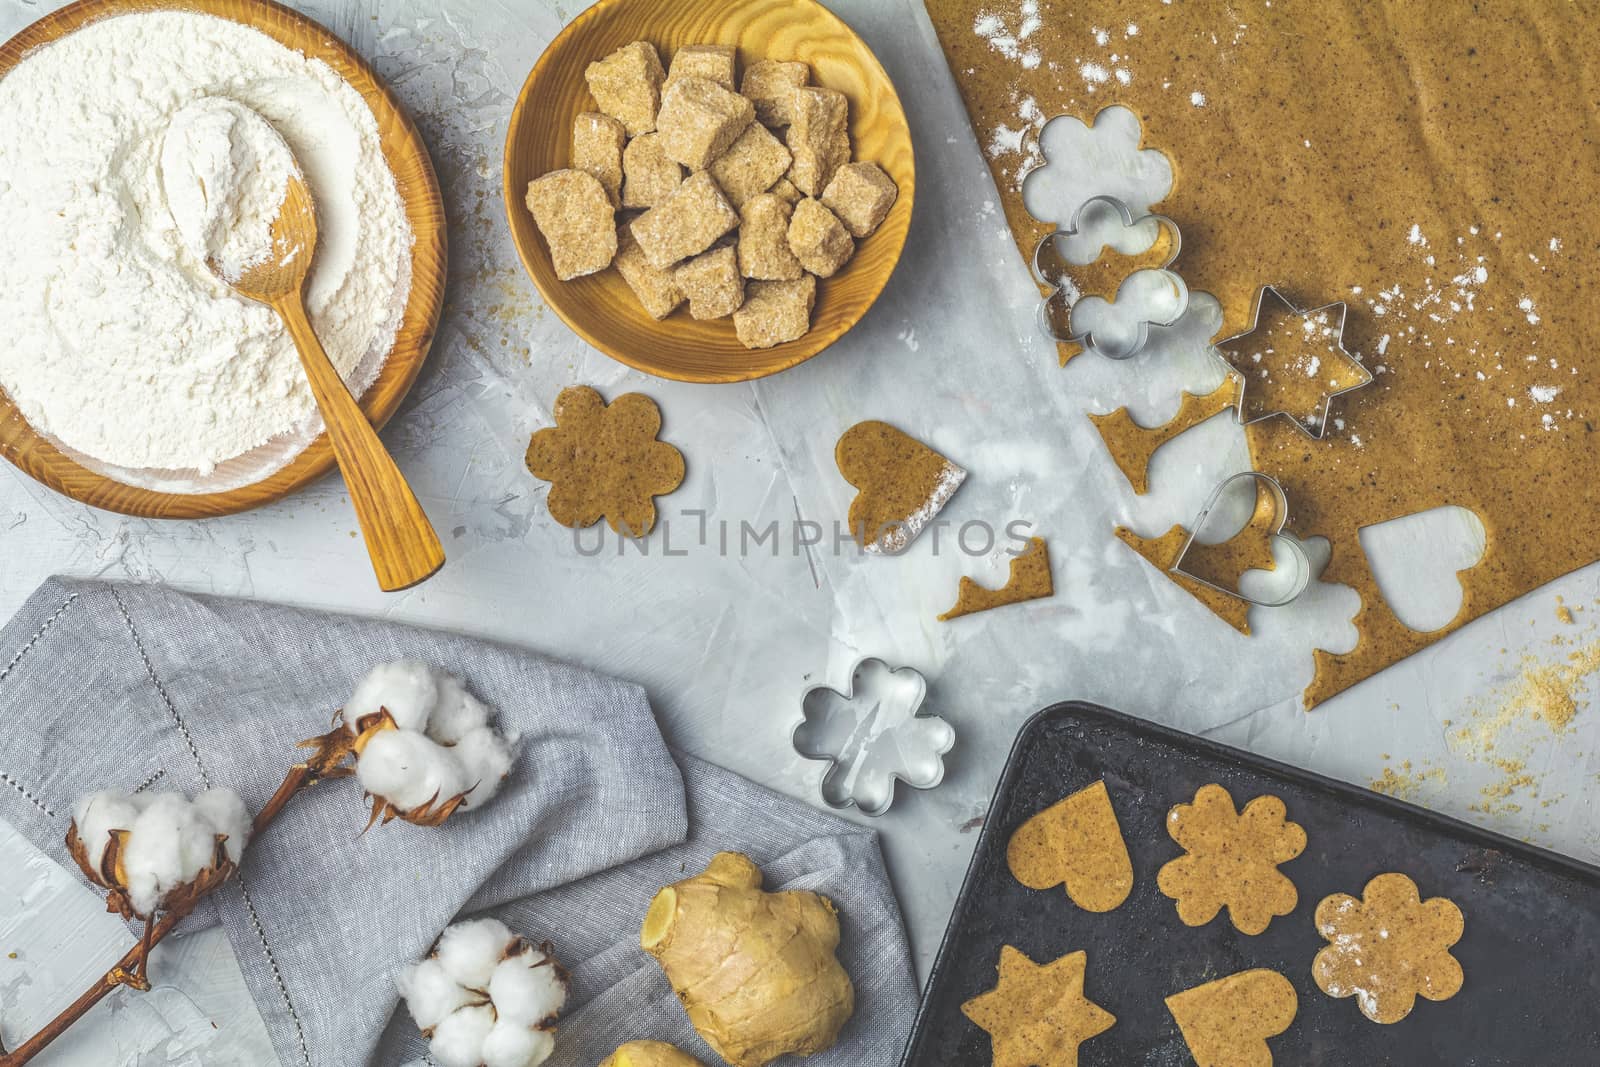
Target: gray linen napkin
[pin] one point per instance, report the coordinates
(126, 685)
(119, 685)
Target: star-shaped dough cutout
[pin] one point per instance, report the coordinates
(1037, 1015)
(1292, 362)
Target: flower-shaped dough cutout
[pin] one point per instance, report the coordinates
(1231, 860)
(1388, 947)
(604, 462)
(1108, 294)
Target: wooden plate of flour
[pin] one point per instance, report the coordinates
(600, 307)
(92, 483)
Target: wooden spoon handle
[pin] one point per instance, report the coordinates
(402, 543)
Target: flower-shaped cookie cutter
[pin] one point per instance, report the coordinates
(1146, 281)
(1314, 425)
(873, 735)
(1269, 513)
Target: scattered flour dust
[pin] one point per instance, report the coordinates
(1008, 34)
(121, 344)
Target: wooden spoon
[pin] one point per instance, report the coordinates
(402, 543)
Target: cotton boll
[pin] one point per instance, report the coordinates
(527, 988)
(456, 713)
(408, 770)
(485, 758)
(223, 809)
(97, 814)
(469, 951)
(459, 1037)
(512, 1044)
(168, 845)
(431, 994)
(405, 687)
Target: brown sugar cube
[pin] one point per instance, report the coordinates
(597, 142)
(574, 213)
(657, 290)
(770, 85)
(861, 194)
(713, 62)
(775, 312)
(686, 223)
(627, 85)
(784, 190)
(764, 240)
(819, 138)
(648, 176)
(818, 239)
(699, 120)
(750, 165)
(711, 282)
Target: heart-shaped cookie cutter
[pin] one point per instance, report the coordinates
(1319, 420)
(872, 735)
(1053, 271)
(1268, 491)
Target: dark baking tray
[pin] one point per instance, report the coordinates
(1531, 951)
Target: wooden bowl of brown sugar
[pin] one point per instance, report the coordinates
(601, 307)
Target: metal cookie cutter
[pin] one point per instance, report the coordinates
(1315, 424)
(1147, 282)
(873, 735)
(1271, 510)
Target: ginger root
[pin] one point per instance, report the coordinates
(756, 971)
(650, 1054)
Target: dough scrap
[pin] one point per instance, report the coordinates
(901, 484)
(1231, 859)
(1030, 580)
(1132, 446)
(1429, 222)
(1226, 1023)
(603, 461)
(1388, 947)
(1235, 556)
(1037, 1015)
(1078, 843)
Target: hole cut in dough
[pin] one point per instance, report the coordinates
(1417, 559)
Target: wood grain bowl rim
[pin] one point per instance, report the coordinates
(760, 363)
(407, 156)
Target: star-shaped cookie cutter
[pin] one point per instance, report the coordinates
(1052, 270)
(1316, 424)
(872, 735)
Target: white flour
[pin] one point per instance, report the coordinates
(225, 171)
(121, 345)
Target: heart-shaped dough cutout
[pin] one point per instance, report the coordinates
(902, 484)
(1226, 1023)
(1221, 563)
(1078, 843)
